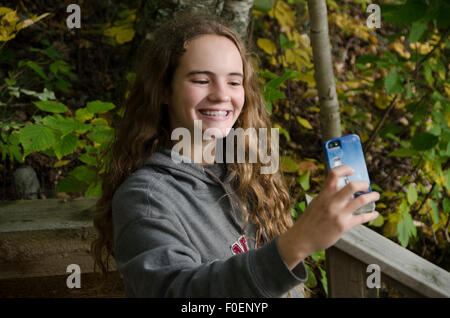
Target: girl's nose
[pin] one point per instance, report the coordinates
(219, 93)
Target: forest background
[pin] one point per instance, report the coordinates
(62, 91)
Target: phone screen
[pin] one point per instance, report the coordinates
(347, 150)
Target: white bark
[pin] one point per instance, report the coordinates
(330, 121)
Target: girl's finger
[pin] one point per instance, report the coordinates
(336, 173)
(347, 192)
(362, 200)
(363, 218)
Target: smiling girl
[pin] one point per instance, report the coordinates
(199, 230)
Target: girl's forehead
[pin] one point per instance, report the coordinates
(212, 51)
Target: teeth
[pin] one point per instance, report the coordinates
(214, 113)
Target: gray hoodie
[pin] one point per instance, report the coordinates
(178, 233)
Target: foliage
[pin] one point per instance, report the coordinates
(393, 91)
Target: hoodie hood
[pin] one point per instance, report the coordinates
(166, 159)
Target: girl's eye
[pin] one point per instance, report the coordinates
(202, 82)
(235, 83)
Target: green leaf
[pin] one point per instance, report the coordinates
(66, 145)
(83, 114)
(404, 14)
(88, 159)
(378, 221)
(99, 107)
(446, 205)
(369, 58)
(273, 94)
(424, 141)
(393, 83)
(403, 153)
(51, 106)
(418, 28)
(101, 134)
(36, 138)
(37, 69)
(84, 173)
(263, 5)
(63, 124)
(94, 190)
(411, 194)
(303, 180)
(391, 128)
(405, 229)
(70, 184)
(323, 280)
(276, 82)
(284, 43)
(301, 206)
(312, 281)
(435, 214)
(288, 164)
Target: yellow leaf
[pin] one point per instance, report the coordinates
(314, 109)
(398, 47)
(364, 136)
(423, 49)
(284, 15)
(4, 10)
(389, 194)
(290, 56)
(348, 109)
(11, 18)
(304, 122)
(4, 36)
(382, 101)
(267, 45)
(308, 78)
(38, 18)
(60, 163)
(381, 205)
(124, 35)
(310, 92)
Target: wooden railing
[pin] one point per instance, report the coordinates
(40, 238)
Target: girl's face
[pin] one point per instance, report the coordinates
(208, 85)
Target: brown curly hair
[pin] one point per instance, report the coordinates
(265, 197)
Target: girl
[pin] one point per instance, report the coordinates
(192, 229)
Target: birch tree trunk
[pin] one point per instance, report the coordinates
(330, 121)
(155, 12)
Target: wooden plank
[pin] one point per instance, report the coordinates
(29, 215)
(40, 238)
(397, 262)
(345, 276)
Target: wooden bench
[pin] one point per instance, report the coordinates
(40, 238)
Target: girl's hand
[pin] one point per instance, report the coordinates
(327, 218)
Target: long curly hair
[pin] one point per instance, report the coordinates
(145, 123)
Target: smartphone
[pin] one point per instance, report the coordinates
(347, 150)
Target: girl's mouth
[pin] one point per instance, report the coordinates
(215, 114)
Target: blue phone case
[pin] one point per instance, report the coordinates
(347, 150)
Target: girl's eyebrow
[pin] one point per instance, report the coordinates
(211, 73)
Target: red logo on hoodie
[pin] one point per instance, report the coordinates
(240, 246)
